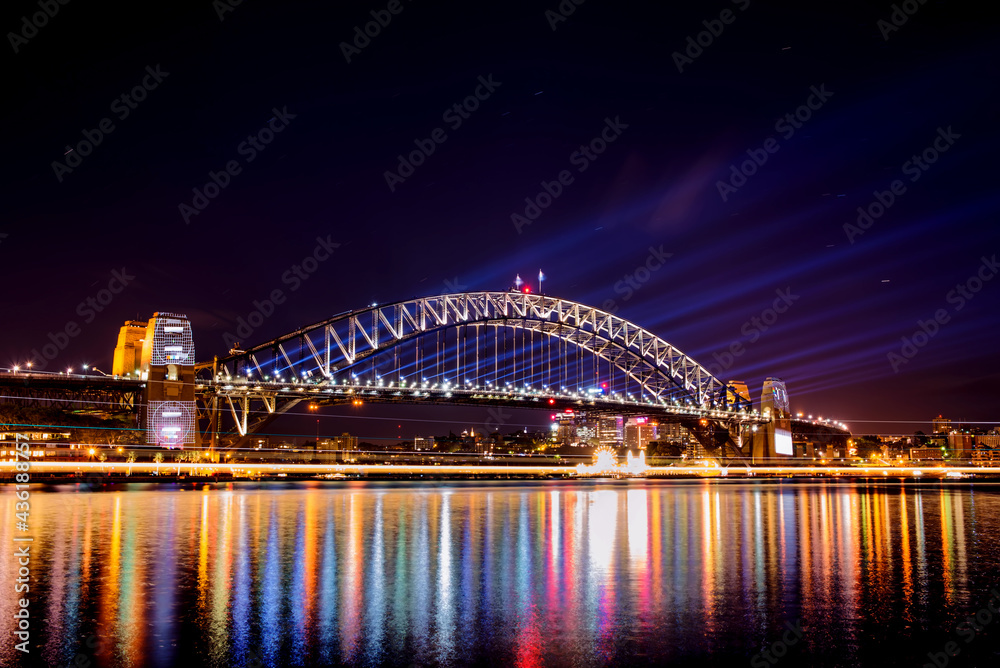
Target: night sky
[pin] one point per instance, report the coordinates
(666, 206)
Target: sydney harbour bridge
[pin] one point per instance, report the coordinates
(509, 349)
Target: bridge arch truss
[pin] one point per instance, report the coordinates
(523, 339)
(467, 342)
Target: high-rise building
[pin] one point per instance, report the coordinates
(639, 431)
(609, 431)
(587, 432)
(565, 425)
(940, 425)
(670, 431)
(631, 439)
(345, 442)
(576, 428)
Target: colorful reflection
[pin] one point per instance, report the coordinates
(524, 574)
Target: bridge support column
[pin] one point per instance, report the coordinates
(168, 369)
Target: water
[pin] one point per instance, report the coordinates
(508, 573)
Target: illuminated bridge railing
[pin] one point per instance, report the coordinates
(326, 392)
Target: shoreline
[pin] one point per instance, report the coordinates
(93, 482)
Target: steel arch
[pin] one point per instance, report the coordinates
(347, 339)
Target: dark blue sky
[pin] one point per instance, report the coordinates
(850, 294)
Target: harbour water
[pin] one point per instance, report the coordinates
(456, 573)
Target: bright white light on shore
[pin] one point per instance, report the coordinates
(606, 463)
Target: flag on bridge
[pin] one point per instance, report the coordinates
(518, 282)
(541, 277)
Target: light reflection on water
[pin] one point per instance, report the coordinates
(524, 574)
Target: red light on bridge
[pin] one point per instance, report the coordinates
(551, 401)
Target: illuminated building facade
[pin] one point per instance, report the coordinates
(775, 438)
(639, 431)
(737, 391)
(564, 426)
(128, 352)
(609, 431)
(168, 368)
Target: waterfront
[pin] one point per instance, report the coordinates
(507, 573)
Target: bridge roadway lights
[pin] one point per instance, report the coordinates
(341, 394)
(255, 469)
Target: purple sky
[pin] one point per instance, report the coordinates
(707, 252)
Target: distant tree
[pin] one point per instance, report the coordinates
(868, 446)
